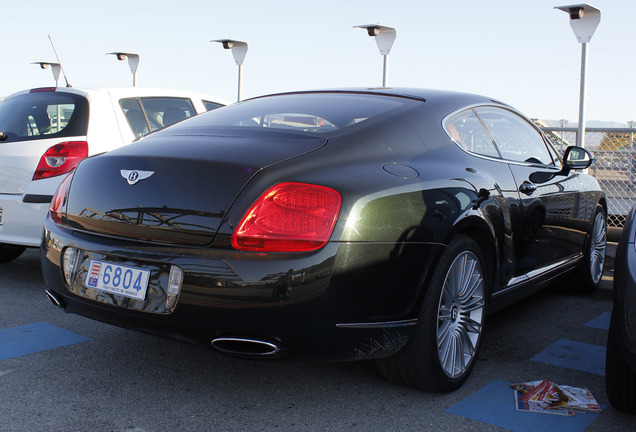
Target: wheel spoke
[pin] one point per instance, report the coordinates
(468, 348)
(448, 352)
(447, 297)
(470, 325)
(454, 278)
(469, 292)
(469, 278)
(460, 361)
(473, 304)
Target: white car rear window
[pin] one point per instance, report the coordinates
(39, 115)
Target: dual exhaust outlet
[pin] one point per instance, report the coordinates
(234, 346)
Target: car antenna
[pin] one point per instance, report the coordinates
(58, 60)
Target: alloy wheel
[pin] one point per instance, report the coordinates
(598, 245)
(460, 315)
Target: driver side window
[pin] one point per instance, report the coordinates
(516, 139)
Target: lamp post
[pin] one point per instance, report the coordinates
(583, 19)
(133, 62)
(384, 37)
(239, 50)
(564, 123)
(55, 68)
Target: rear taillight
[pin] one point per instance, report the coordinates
(61, 159)
(59, 200)
(289, 217)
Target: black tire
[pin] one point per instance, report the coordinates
(620, 378)
(449, 322)
(589, 273)
(10, 252)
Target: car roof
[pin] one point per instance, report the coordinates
(432, 96)
(123, 92)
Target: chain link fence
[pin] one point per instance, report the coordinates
(614, 166)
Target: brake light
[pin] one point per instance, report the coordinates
(289, 217)
(59, 200)
(61, 159)
(43, 90)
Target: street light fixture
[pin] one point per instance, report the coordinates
(384, 37)
(56, 68)
(584, 20)
(239, 50)
(133, 62)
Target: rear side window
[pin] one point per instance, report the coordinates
(209, 106)
(147, 115)
(43, 115)
(468, 132)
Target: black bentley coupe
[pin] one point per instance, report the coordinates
(328, 225)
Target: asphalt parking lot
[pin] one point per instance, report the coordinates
(60, 372)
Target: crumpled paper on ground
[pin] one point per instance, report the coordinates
(548, 397)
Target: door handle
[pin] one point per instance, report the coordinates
(527, 188)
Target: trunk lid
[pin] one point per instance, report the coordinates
(181, 186)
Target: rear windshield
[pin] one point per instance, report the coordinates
(318, 113)
(43, 115)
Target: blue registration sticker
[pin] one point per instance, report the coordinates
(118, 279)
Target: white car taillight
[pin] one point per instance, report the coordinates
(61, 159)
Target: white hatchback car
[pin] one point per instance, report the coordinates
(45, 132)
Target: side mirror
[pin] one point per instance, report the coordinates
(576, 158)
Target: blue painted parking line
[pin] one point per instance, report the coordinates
(32, 338)
(494, 404)
(574, 355)
(600, 322)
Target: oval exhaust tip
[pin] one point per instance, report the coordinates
(246, 347)
(55, 299)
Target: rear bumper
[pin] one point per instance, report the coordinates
(344, 302)
(22, 222)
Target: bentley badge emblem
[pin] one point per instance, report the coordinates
(133, 176)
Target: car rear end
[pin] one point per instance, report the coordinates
(135, 239)
(220, 231)
(44, 137)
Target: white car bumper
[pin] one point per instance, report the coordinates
(21, 223)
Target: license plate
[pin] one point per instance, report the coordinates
(118, 279)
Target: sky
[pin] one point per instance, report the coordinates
(523, 53)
